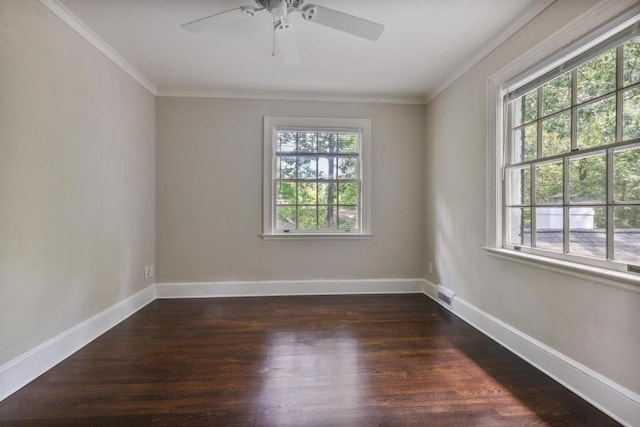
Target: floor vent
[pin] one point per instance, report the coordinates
(445, 295)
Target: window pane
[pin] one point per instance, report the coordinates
(549, 188)
(307, 218)
(327, 142)
(307, 167)
(348, 168)
(626, 178)
(348, 217)
(631, 114)
(327, 168)
(549, 225)
(327, 193)
(287, 167)
(348, 142)
(556, 135)
(556, 95)
(552, 126)
(626, 234)
(519, 232)
(348, 193)
(588, 179)
(525, 143)
(313, 176)
(588, 231)
(307, 193)
(631, 59)
(597, 123)
(307, 142)
(286, 193)
(519, 189)
(525, 108)
(286, 142)
(286, 218)
(327, 217)
(597, 77)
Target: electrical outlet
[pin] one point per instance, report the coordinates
(147, 272)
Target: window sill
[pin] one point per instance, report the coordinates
(616, 279)
(316, 236)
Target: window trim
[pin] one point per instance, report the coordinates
(588, 29)
(271, 124)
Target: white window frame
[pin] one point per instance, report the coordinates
(271, 125)
(590, 29)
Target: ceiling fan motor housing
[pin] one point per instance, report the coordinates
(280, 8)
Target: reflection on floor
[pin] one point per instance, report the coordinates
(364, 360)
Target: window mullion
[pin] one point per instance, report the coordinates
(532, 191)
(274, 204)
(317, 189)
(619, 122)
(508, 148)
(609, 212)
(274, 186)
(539, 124)
(507, 158)
(619, 98)
(566, 219)
(533, 201)
(565, 207)
(574, 110)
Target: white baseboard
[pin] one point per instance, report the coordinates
(288, 287)
(610, 397)
(613, 399)
(20, 371)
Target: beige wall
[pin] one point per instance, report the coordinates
(76, 179)
(209, 195)
(77, 202)
(591, 323)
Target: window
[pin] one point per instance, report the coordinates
(571, 160)
(316, 177)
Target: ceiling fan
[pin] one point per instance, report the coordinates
(282, 28)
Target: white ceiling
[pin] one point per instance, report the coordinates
(424, 45)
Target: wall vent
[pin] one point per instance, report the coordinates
(445, 295)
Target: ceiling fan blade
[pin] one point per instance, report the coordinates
(343, 21)
(226, 17)
(287, 45)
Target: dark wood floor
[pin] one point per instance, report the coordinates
(388, 360)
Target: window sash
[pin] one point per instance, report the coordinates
(358, 177)
(510, 164)
(519, 86)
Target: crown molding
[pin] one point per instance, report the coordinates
(103, 47)
(293, 96)
(533, 10)
(592, 24)
(85, 32)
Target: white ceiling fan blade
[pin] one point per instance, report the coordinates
(343, 21)
(226, 17)
(287, 45)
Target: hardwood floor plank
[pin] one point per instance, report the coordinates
(388, 360)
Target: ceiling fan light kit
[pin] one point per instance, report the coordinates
(283, 30)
